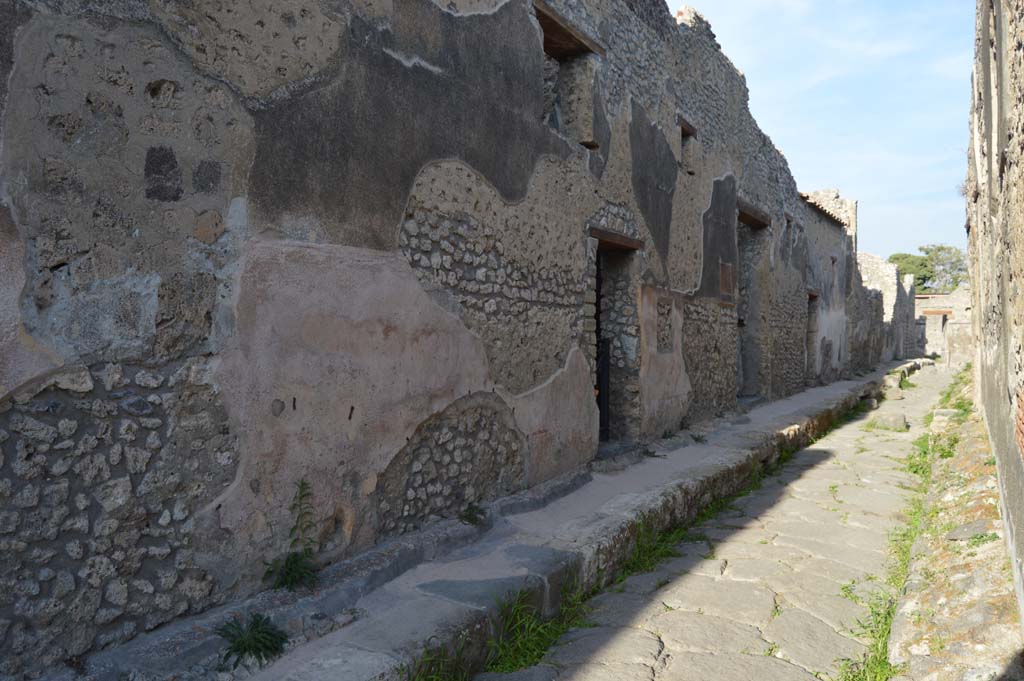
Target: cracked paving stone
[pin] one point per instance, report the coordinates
(835, 533)
(692, 632)
(744, 602)
(810, 643)
(615, 609)
(732, 667)
(606, 645)
(873, 561)
(839, 613)
(608, 672)
(754, 569)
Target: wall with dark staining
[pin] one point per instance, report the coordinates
(358, 242)
(995, 236)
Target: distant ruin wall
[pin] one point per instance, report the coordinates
(944, 326)
(898, 309)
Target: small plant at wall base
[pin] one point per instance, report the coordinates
(259, 639)
(440, 665)
(526, 636)
(297, 568)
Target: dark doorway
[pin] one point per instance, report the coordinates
(603, 388)
(616, 310)
(751, 242)
(812, 338)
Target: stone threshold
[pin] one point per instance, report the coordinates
(374, 615)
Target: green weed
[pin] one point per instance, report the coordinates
(874, 665)
(982, 538)
(258, 639)
(440, 665)
(473, 515)
(526, 636)
(298, 567)
(651, 548)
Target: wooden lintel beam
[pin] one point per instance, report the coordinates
(752, 215)
(561, 38)
(616, 241)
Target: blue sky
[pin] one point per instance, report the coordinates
(869, 96)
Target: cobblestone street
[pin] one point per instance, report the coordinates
(774, 585)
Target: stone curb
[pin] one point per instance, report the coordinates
(326, 645)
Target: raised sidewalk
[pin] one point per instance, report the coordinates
(376, 614)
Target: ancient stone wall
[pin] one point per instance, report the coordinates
(995, 237)
(944, 325)
(899, 318)
(359, 244)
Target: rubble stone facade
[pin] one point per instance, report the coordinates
(944, 326)
(391, 248)
(995, 206)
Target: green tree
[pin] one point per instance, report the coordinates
(939, 269)
(914, 264)
(949, 265)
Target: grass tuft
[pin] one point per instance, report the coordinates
(526, 636)
(874, 665)
(259, 639)
(981, 539)
(439, 665)
(651, 548)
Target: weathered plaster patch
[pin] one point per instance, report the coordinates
(357, 355)
(267, 46)
(559, 421)
(21, 356)
(665, 383)
(355, 174)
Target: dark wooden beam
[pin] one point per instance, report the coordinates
(562, 40)
(615, 241)
(752, 215)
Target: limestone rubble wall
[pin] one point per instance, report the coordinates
(996, 250)
(351, 242)
(944, 325)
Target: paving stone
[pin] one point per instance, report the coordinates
(710, 567)
(732, 667)
(607, 672)
(841, 573)
(692, 632)
(754, 569)
(614, 609)
(841, 614)
(836, 533)
(605, 645)
(807, 641)
(873, 561)
(744, 602)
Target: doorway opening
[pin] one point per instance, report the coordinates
(811, 373)
(617, 324)
(752, 243)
